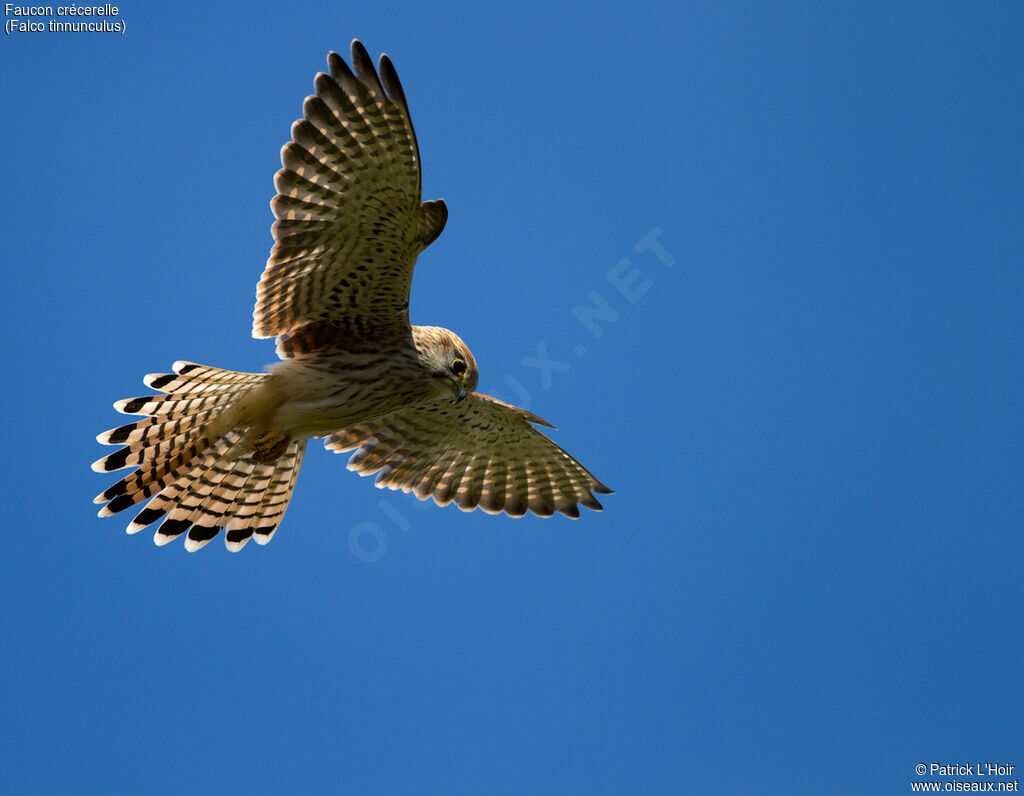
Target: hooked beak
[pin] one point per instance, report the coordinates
(460, 394)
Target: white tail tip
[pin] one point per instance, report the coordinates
(192, 545)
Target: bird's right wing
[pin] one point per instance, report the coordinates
(350, 222)
(477, 452)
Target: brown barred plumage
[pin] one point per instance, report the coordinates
(189, 471)
(219, 450)
(477, 452)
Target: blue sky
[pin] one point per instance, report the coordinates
(808, 401)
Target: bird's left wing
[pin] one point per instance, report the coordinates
(349, 219)
(477, 452)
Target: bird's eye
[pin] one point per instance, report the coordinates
(458, 366)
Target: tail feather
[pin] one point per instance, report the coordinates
(279, 492)
(238, 527)
(174, 405)
(151, 477)
(151, 429)
(171, 494)
(180, 503)
(188, 377)
(201, 508)
(137, 453)
(197, 480)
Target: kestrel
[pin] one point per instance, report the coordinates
(220, 450)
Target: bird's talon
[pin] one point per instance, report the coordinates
(269, 446)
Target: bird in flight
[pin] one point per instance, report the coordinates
(220, 450)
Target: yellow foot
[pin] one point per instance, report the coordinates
(268, 446)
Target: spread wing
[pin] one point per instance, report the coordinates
(477, 452)
(349, 219)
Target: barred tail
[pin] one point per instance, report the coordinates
(189, 465)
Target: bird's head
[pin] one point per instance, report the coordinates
(443, 353)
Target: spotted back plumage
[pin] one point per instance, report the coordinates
(350, 222)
